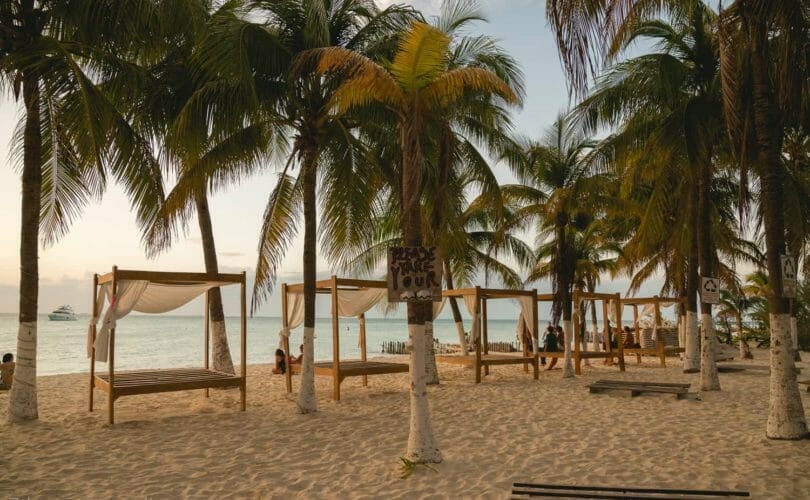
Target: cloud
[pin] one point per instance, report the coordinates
(231, 254)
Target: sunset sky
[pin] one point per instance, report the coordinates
(106, 233)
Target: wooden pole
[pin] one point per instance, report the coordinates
(243, 342)
(639, 337)
(662, 354)
(362, 319)
(207, 348)
(335, 343)
(536, 323)
(286, 342)
(111, 357)
(93, 340)
(484, 331)
(608, 339)
(575, 332)
(618, 325)
(477, 340)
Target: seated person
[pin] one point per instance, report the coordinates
(281, 363)
(7, 371)
(551, 345)
(629, 340)
(299, 359)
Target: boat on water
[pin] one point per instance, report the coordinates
(62, 313)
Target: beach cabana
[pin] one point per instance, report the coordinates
(657, 343)
(155, 292)
(476, 300)
(611, 309)
(350, 298)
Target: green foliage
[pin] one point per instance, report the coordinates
(407, 467)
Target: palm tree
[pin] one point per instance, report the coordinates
(70, 138)
(265, 59)
(417, 87)
(736, 304)
(763, 63)
(562, 188)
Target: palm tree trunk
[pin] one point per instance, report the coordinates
(306, 396)
(462, 338)
(709, 377)
(786, 418)
(691, 358)
(221, 353)
(562, 292)
(745, 351)
(794, 331)
(422, 446)
(22, 401)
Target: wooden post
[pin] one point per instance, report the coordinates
(536, 324)
(243, 343)
(606, 323)
(618, 325)
(662, 355)
(476, 308)
(575, 318)
(286, 342)
(362, 319)
(484, 331)
(95, 313)
(335, 343)
(207, 334)
(639, 337)
(111, 355)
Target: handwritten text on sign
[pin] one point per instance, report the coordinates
(414, 274)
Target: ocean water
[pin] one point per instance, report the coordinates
(161, 341)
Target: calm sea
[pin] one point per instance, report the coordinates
(143, 341)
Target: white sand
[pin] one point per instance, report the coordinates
(509, 428)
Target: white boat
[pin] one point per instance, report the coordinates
(62, 313)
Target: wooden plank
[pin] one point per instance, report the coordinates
(176, 277)
(637, 382)
(529, 488)
(111, 357)
(243, 344)
(335, 342)
(639, 388)
(207, 333)
(484, 332)
(284, 323)
(94, 314)
(363, 356)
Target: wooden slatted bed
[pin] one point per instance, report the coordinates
(481, 358)
(135, 382)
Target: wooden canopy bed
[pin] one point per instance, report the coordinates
(608, 300)
(337, 369)
(482, 358)
(128, 383)
(662, 349)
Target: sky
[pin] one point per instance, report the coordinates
(106, 233)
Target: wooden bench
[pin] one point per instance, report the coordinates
(636, 388)
(805, 382)
(524, 490)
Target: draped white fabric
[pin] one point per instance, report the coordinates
(142, 296)
(469, 301)
(527, 305)
(351, 304)
(437, 308)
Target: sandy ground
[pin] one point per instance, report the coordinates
(509, 428)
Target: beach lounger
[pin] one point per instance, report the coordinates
(525, 490)
(636, 388)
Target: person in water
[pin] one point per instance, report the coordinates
(281, 363)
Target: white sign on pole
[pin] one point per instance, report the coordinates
(788, 276)
(709, 290)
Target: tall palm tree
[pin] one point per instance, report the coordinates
(763, 63)
(417, 86)
(562, 187)
(275, 34)
(70, 138)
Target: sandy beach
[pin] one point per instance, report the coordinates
(509, 428)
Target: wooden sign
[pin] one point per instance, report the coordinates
(414, 274)
(788, 276)
(709, 290)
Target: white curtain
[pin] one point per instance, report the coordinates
(351, 304)
(437, 308)
(142, 296)
(527, 305)
(469, 301)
